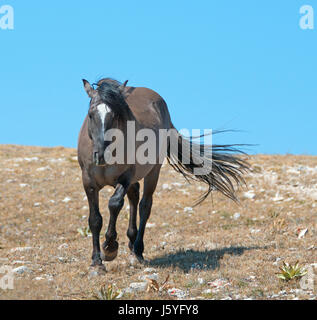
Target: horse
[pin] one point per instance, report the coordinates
(112, 106)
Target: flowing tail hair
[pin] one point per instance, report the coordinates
(223, 169)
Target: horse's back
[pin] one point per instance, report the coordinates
(148, 107)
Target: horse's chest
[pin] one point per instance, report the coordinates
(108, 176)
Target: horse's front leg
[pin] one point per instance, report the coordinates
(95, 221)
(110, 246)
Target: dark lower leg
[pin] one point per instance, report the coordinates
(95, 223)
(110, 246)
(133, 196)
(145, 210)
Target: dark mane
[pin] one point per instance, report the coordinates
(111, 93)
(110, 81)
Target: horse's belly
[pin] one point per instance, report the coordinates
(141, 171)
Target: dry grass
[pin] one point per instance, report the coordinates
(193, 248)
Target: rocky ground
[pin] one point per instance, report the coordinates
(218, 250)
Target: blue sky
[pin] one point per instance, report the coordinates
(243, 65)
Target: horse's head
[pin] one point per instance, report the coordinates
(100, 117)
(105, 107)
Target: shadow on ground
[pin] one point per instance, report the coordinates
(199, 260)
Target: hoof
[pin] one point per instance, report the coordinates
(96, 270)
(110, 252)
(131, 246)
(140, 259)
(136, 258)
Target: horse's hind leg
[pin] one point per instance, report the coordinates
(150, 183)
(133, 196)
(110, 246)
(95, 219)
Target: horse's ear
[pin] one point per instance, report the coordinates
(122, 87)
(88, 88)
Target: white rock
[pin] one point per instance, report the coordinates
(165, 186)
(149, 270)
(37, 204)
(31, 159)
(282, 293)
(63, 246)
(153, 276)
(21, 249)
(21, 270)
(23, 185)
(66, 200)
(177, 184)
(276, 261)
(249, 194)
(255, 230)
(219, 284)
(43, 168)
(188, 209)
(93, 274)
(277, 198)
(236, 216)
(138, 286)
(150, 225)
(201, 280)
(302, 233)
(20, 262)
(180, 294)
(56, 160)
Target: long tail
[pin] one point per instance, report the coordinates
(222, 163)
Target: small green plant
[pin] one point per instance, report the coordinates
(274, 214)
(289, 272)
(85, 232)
(107, 293)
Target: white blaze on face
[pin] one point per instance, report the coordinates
(103, 109)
